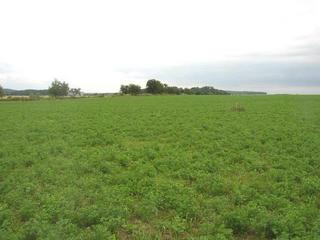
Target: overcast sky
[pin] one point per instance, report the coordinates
(264, 45)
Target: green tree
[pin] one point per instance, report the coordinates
(154, 86)
(1, 91)
(173, 90)
(134, 89)
(58, 88)
(75, 91)
(124, 89)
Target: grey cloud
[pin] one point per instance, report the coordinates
(9, 78)
(304, 47)
(242, 75)
(297, 67)
(308, 47)
(311, 50)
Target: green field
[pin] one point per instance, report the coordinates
(161, 167)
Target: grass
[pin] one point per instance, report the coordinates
(161, 167)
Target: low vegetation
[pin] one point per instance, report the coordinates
(161, 167)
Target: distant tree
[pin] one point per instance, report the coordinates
(1, 91)
(134, 89)
(173, 90)
(58, 88)
(124, 89)
(187, 91)
(75, 91)
(207, 90)
(154, 86)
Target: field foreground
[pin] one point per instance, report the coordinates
(161, 167)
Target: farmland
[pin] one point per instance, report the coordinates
(161, 167)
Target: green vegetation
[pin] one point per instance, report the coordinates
(58, 89)
(132, 89)
(246, 93)
(26, 92)
(75, 92)
(154, 86)
(161, 167)
(1, 91)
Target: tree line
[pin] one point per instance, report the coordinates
(154, 86)
(56, 89)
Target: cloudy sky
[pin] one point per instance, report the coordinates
(264, 45)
